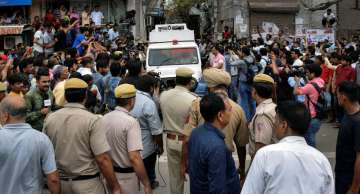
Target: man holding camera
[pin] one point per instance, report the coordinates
(312, 92)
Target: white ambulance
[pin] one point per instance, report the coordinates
(172, 46)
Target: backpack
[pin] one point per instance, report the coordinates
(321, 105)
(268, 62)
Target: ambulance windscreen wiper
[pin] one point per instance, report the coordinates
(163, 62)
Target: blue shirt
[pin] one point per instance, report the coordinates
(113, 35)
(227, 57)
(78, 39)
(292, 83)
(110, 86)
(25, 155)
(211, 166)
(99, 81)
(146, 112)
(201, 89)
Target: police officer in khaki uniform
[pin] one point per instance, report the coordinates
(3, 89)
(236, 131)
(262, 124)
(80, 145)
(175, 106)
(124, 136)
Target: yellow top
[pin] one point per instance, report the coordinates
(3, 87)
(59, 93)
(75, 83)
(125, 91)
(215, 77)
(16, 94)
(263, 78)
(184, 72)
(118, 53)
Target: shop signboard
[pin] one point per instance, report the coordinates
(15, 2)
(11, 30)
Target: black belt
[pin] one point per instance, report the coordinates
(81, 178)
(124, 170)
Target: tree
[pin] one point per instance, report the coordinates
(180, 8)
(320, 6)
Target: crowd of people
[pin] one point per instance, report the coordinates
(12, 16)
(56, 16)
(79, 107)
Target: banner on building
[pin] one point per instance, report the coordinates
(270, 28)
(300, 29)
(320, 35)
(243, 28)
(11, 30)
(300, 32)
(239, 19)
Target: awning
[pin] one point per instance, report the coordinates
(15, 2)
(279, 6)
(11, 30)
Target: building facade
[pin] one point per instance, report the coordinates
(244, 16)
(347, 11)
(113, 10)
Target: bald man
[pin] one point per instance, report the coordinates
(26, 154)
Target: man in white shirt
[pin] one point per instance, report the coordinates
(290, 166)
(97, 16)
(329, 19)
(295, 54)
(49, 40)
(265, 60)
(39, 41)
(113, 33)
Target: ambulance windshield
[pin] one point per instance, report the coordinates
(174, 56)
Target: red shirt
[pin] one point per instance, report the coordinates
(344, 73)
(49, 17)
(227, 35)
(326, 73)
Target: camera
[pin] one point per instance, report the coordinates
(298, 72)
(159, 82)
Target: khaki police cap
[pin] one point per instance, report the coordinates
(3, 87)
(118, 53)
(263, 78)
(215, 77)
(75, 83)
(125, 91)
(184, 72)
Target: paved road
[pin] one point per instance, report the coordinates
(326, 141)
